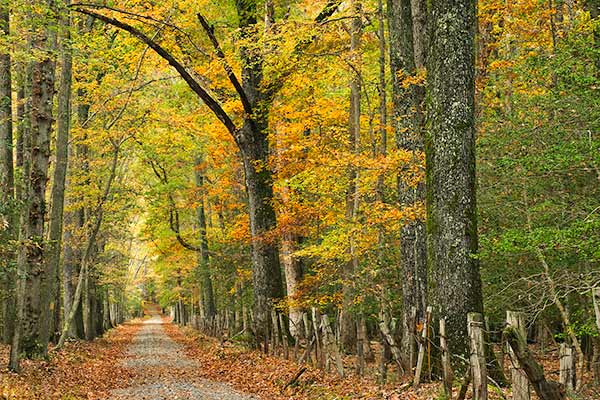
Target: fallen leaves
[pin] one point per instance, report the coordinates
(266, 376)
(81, 370)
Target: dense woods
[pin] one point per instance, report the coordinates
(401, 190)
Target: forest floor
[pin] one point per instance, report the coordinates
(81, 370)
(152, 359)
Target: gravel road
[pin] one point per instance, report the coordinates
(162, 371)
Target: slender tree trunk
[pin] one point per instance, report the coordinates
(208, 297)
(89, 248)
(347, 322)
(6, 134)
(61, 163)
(86, 302)
(22, 267)
(382, 91)
(450, 152)
(406, 47)
(7, 184)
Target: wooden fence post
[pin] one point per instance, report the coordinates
(275, 340)
(360, 355)
(284, 337)
(384, 327)
(446, 365)
(318, 342)
(331, 346)
(520, 383)
(477, 359)
(422, 347)
(567, 366)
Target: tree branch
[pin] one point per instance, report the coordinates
(173, 213)
(144, 19)
(327, 11)
(210, 32)
(212, 104)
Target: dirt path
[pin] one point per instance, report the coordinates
(162, 370)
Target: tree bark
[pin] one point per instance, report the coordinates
(35, 330)
(254, 146)
(208, 298)
(347, 320)
(6, 135)
(408, 127)
(22, 267)
(7, 184)
(294, 272)
(450, 153)
(60, 170)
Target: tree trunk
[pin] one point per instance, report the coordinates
(38, 293)
(74, 222)
(254, 146)
(450, 153)
(348, 333)
(89, 248)
(70, 272)
(208, 298)
(6, 180)
(268, 284)
(22, 268)
(6, 135)
(60, 169)
(408, 127)
(294, 272)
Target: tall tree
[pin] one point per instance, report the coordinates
(6, 135)
(347, 323)
(208, 296)
(406, 54)
(450, 151)
(35, 334)
(60, 170)
(7, 222)
(250, 135)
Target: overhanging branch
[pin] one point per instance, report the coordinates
(211, 103)
(210, 32)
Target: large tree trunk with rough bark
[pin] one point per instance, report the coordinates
(268, 285)
(406, 54)
(37, 294)
(254, 146)
(450, 153)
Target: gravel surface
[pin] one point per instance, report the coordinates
(163, 371)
